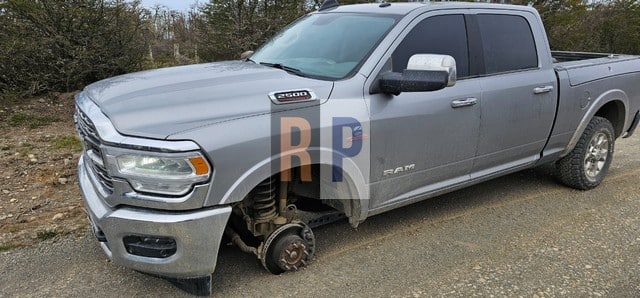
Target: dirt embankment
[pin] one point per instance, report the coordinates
(39, 150)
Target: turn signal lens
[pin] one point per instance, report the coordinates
(200, 165)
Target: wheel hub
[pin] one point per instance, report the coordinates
(288, 248)
(596, 156)
(294, 255)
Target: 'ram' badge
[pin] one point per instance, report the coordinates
(292, 96)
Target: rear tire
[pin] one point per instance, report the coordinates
(588, 163)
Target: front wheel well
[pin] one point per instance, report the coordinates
(278, 200)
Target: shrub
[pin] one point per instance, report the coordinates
(62, 45)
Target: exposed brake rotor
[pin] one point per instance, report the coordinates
(288, 248)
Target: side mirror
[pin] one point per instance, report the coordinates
(425, 72)
(245, 55)
(432, 62)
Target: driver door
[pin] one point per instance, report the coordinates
(424, 141)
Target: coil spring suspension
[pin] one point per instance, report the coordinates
(264, 200)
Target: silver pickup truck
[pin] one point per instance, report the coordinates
(347, 113)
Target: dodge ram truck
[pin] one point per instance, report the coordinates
(347, 113)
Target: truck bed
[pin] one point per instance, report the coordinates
(583, 67)
(564, 56)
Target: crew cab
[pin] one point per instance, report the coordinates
(347, 113)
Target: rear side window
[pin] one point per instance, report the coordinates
(444, 35)
(507, 43)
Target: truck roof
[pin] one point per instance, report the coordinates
(399, 8)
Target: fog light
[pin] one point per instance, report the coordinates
(150, 246)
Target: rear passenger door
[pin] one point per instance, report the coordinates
(518, 91)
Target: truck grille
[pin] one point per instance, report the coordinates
(93, 154)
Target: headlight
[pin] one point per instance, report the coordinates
(161, 173)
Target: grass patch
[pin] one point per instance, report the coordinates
(48, 234)
(6, 148)
(25, 149)
(20, 119)
(9, 98)
(8, 246)
(68, 142)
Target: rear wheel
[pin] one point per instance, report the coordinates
(588, 163)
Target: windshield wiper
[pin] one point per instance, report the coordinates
(289, 69)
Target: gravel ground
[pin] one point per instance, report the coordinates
(523, 235)
(39, 150)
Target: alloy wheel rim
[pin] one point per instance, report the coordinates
(596, 157)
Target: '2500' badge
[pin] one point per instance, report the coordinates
(292, 96)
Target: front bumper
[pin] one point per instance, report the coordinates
(197, 233)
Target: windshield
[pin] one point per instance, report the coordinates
(327, 46)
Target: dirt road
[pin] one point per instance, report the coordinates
(520, 235)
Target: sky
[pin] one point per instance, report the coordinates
(182, 5)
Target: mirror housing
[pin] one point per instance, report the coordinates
(413, 81)
(432, 62)
(425, 72)
(245, 55)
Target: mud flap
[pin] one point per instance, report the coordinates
(199, 286)
(634, 124)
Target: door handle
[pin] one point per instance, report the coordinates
(464, 102)
(542, 89)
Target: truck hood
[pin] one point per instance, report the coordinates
(159, 103)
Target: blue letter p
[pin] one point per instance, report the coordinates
(340, 152)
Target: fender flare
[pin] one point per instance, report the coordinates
(604, 98)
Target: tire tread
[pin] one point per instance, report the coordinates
(570, 168)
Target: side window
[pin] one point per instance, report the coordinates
(507, 43)
(444, 35)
